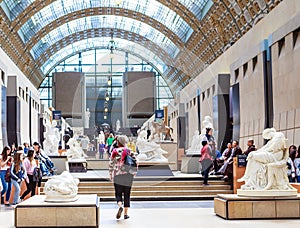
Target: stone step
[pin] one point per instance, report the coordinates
(161, 193)
(151, 183)
(93, 189)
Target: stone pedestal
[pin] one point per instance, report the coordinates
(34, 212)
(155, 169)
(77, 166)
(232, 206)
(60, 163)
(190, 164)
(172, 156)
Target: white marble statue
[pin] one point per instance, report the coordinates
(87, 118)
(118, 125)
(196, 145)
(75, 152)
(267, 167)
(52, 138)
(101, 137)
(149, 150)
(61, 188)
(206, 123)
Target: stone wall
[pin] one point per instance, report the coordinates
(248, 62)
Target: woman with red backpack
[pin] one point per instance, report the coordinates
(121, 174)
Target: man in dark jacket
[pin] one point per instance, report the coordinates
(251, 146)
(236, 150)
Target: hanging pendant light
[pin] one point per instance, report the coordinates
(118, 2)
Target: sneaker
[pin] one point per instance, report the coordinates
(119, 212)
(205, 184)
(126, 217)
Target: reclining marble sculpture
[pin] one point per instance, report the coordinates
(266, 171)
(61, 188)
(149, 150)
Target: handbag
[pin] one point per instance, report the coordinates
(130, 164)
(7, 175)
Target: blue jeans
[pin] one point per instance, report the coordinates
(298, 179)
(17, 191)
(6, 185)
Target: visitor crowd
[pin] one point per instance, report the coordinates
(222, 164)
(22, 164)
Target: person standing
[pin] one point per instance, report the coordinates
(101, 149)
(30, 167)
(291, 171)
(122, 180)
(18, 174)
(5, 163)
(297, 165)
(109, 142)
(206, 160)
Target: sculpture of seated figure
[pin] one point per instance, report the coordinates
(266, 167)
(149, 151)
(195, 144)
(61, 188)
(75, 151)
(52, 138)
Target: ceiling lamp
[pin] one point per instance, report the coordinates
(105, 109)
(111, 44)
(118, 2)
(109, 82)
(105, 117)
(107, 98)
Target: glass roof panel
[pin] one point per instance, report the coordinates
(195, 6)
(101, 42)
(110, 22)
(151, 8)
(15, 7)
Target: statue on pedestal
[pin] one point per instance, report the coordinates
(267, 167)
(118, 125)
(87, 118)
(197, 139)
(159, 128)
(75, 151)
(149, 151)
(61, 188)
(52, 138)
(195, 144)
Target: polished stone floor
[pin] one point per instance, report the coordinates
(166, 214)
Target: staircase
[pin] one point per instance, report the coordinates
(158, 189)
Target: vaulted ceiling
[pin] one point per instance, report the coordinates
(182, 36)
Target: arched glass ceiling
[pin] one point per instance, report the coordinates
(101, 42)
(150, 8)
(108, 21)
(15, 7)
(195, 6)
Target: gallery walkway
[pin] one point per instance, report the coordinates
(166, 214)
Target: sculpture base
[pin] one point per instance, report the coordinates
(77, 166)
(190, 164)
(154, 169)
(60, 199)
(35, 212)
(267, 193)
(232, 206)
